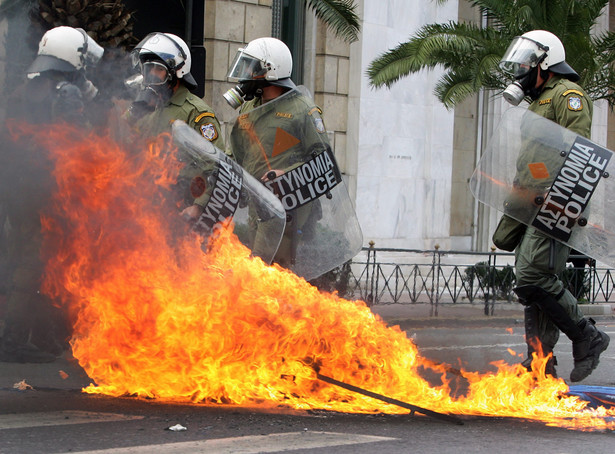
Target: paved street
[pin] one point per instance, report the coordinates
(54, 416)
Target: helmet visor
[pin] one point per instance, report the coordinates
(246, 67)
(522, 55)
(154, 73)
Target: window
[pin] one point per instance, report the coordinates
(288, 25)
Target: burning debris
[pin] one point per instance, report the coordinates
(22, 386)
(157, 314)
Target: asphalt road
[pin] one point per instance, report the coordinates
(55, 417)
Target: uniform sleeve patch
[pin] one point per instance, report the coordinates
(574, 103)
(320, 125)
(209, 131)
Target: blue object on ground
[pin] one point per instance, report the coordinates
(597, 396)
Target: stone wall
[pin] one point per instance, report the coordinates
(229, 24)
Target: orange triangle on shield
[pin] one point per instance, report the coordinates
(283, 141)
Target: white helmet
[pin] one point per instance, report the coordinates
(537, 47)
(171, 50)
(266, 59)
(65, 49)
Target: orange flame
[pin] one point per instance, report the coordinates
(157, 316)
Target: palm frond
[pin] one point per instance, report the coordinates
(451, 45)
(339, 15)
(453, 88)
(470, 55)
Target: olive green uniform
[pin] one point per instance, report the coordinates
(539, 258)
(191, 109)
(280, 135)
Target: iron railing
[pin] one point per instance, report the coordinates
(410, 276)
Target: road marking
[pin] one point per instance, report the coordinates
(281, 442)
(59, 418)
(466, 347)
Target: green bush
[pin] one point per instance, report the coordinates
(503, 279)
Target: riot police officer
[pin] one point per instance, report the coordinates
(277, 130)
(537, 60)
(164, 63)
(56, 90)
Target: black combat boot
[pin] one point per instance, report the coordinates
(534, 344)
(587, 348)
(587, 341)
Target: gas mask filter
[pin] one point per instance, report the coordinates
(244, 91)
(514, 93)
(234, 97)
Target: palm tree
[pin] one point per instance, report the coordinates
(470, 54)
(339, 16)
(109, 23)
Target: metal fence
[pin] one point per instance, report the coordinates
(410, 276)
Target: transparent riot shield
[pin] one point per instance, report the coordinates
(233, 194)
(548, 177)
(284, 144)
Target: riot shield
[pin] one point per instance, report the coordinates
(548, 177)
(284, 144)
(233, 194)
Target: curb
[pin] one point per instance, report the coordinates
(414, 317)
(597, 309)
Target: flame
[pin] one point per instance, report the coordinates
(157, 314)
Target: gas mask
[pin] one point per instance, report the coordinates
(154, 85)
(244, 91)
(147, 97)
(522, 87)
(152, 97)
(523, 60)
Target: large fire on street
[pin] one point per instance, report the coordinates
(156, 315)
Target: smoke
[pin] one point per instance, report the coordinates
(26, 171)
